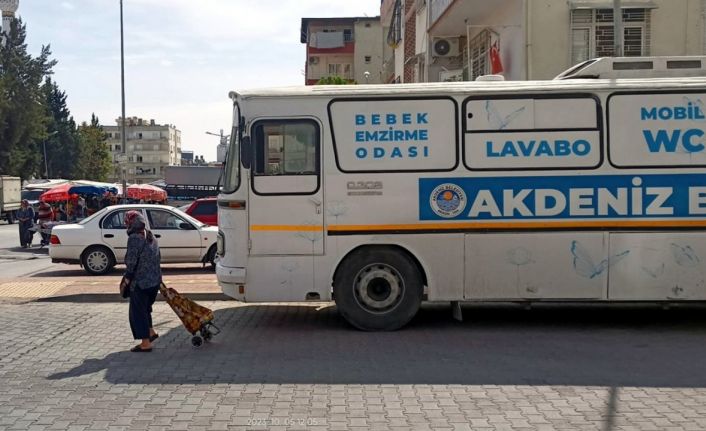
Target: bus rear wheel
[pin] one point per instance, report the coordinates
(378, 289)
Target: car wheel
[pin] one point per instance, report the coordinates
(98, 260)
(378, 289)
(10, 217)
(211, 257)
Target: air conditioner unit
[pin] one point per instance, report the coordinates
(313, 60)
(445, 46)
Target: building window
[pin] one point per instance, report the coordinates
(478, 55)
(593, 35)
(394, 35)
(338, 69)
(368, 59)
(139, 136)
(117, 148)
(347, 35)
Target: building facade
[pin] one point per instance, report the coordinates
(150, 148)
(351, 48)
(530, 39)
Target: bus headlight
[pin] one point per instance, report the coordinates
(221, 244)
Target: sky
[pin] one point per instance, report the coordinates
(182, 57)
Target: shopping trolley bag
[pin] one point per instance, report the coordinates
(197, 319)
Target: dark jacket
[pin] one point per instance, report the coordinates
(146, 272)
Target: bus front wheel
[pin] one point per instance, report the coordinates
(378, 289)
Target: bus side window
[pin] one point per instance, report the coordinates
(288, 147)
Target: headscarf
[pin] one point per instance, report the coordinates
(24, 202)
(135, 223)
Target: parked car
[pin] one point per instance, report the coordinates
(204, 210)
(99, 242)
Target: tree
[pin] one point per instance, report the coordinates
(62, 146)
(335, 80)
(23, 117)
(93, 156)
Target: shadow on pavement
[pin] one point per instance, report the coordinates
(496, 345)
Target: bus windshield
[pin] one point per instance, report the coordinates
(232, 174)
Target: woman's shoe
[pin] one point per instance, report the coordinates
(153, 337)
(139, 348)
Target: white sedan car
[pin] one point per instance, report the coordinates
(99, 242)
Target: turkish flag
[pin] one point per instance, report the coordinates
(496, 65)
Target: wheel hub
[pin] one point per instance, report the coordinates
(378, 288)
(97, 261)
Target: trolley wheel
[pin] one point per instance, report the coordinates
(378, 289)
(196, 341)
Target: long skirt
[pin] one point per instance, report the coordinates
(141, 301)
(25, 234)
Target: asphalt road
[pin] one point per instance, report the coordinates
(17, 262)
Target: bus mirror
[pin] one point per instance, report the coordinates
(246, 152)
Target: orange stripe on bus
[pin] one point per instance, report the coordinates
(288, 228)
(518, 225)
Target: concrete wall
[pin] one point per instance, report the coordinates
(509, 24)
(677, 28)
(368, 42)
(548, 28)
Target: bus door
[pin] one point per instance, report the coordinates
(286, 197)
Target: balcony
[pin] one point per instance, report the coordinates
(438, 7)
(450, 17)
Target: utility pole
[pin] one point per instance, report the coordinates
(122, 77)
(618, 28)
(123, 138)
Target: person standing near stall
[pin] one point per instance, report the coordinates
(45, 214)
(25, 216)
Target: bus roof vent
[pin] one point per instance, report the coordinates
(492, 78)
(637, 67)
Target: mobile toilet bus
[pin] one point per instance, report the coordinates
(381, 197)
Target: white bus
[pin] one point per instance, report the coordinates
(381, 197)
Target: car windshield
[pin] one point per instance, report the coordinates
(190, 219)
(32, 195)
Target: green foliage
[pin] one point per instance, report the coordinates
(62, 144)
(23, 117)
(335, 80)
(93, 155)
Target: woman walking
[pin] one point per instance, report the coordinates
(25, 216)
(142, 261)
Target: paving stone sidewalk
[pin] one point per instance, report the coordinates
(66, 366)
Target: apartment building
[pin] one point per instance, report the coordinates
(450, 40)
(351, 48)
(150, 148)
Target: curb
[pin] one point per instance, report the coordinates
(115, 297)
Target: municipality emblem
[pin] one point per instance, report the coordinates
(448, 200)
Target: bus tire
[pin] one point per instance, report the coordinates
(378, 289)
